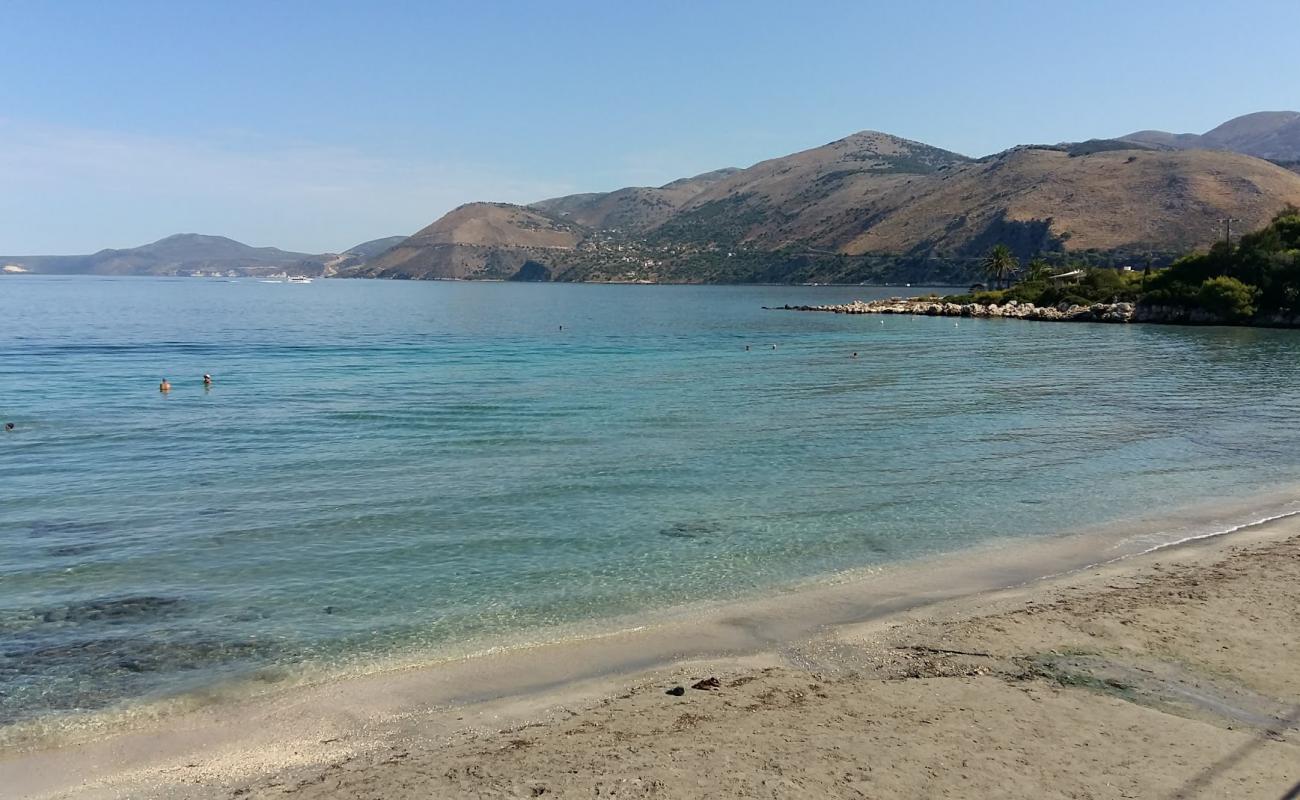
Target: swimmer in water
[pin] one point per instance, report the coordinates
(855, 355)
(9, 426)
(207, 379)
(164, 386)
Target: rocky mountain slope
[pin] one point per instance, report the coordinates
(1045, 199)
(869, 207)
(1272, 135)
(634, 209)
(482, 240)
(797, 198)
(374, 247)
(329, 264)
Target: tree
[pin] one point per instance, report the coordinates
(1106, 284)
(1000, 265)
(1037, 270)
(1228, 297)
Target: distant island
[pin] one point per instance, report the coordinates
(868, 208)
(199, 255)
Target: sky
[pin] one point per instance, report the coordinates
(313, 126)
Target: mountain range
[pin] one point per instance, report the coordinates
(873, 207)
(1272, 135)
(866, 208)
(193, 253)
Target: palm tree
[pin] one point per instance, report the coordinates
(1000, 265)
(1037, 270)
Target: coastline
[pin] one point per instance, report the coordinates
(208, 750)
(1122, 313)
(1097, 312)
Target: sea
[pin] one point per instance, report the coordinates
(390, 470)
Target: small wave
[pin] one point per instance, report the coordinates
(1223, 531)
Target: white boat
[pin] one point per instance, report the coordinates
(299, 279)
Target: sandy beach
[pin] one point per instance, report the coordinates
(1166, 674)
(435, 400)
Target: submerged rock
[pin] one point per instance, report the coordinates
(691, 530)
(112, 610)
(71, 550)
(38, 675)
(44, 527)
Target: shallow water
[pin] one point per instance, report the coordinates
(394, 469)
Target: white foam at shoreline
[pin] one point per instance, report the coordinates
(1224, 532)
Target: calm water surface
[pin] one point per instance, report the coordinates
(390, 468)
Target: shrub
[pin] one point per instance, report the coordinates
(1172, 293)
(1228, 297)
(1107, 285)
(1053, 295)
(1026, 292)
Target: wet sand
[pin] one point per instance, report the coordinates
(1167, 674)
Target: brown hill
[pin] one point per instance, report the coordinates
(479, 240)
(635, 209)
(867, 207)
(1273, 135)
(790, 199)
(1045, 199)
(330, 264)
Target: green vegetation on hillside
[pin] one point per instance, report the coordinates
(723, 222)
(1258, 277)
(1261, 275)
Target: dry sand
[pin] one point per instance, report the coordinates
(1172, 674)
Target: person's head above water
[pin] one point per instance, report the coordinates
(207, 378)
(9, 426)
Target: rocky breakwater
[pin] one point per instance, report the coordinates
(1097, 312)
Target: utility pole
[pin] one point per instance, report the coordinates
(1227, 231)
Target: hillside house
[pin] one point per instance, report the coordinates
(1070, 278)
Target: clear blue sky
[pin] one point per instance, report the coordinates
(316, 125)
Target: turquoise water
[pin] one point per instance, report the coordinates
(391, 468)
